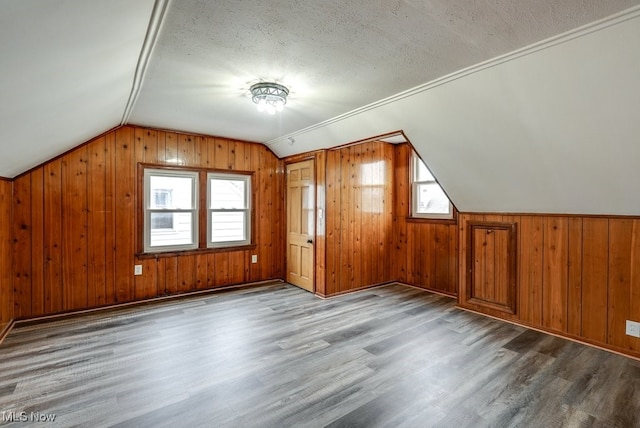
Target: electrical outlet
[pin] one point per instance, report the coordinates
(633, 328)
(254, 258)
(137, 269)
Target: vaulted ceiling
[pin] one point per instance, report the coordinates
(516, 105)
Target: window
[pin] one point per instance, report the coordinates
(228, 212)
(428, 198)
(170, 210)
(173, 219)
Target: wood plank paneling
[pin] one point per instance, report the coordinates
(186, 275)
(277, 224)
(237, 260)
(440, 262)
(359, 249)
(110, 218)
(385, 225)
(321, 223)
(22, 246)
(201, 272)
(400, 211)
(52, 225)
(97, 223)
(75, 229)
(221, 274)
(6, 288)
(578, 276)
(595, 274)
(267, 221)
(75, 224)
(359, 216)
(124, 194)
(37, 243)
(344, 255)
(619, 279)
(334, 220)
(634, 287)
(368, 235)
(555, 273)
(574, 291)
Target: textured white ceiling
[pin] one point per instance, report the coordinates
(334, 56)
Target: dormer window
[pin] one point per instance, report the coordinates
(428, 200)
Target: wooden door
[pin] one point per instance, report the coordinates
(492, 266)
(300, 224)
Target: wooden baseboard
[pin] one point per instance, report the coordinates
(430, 290)
(5, 331)
(366, 287)
(75, 313)
(577, 339)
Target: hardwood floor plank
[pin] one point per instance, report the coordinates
(275, 355)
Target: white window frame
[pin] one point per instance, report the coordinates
(246, 210)
(415, 159)
(148, 173)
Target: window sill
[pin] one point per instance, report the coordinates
(453, 220)
(163, 254)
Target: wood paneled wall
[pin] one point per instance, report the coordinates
(359, 216)
(70, 243)
(74, 223)
(6, 290)
(578, 276)
(425, 252)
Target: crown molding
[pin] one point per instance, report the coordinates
(565, 37)
(155, 24)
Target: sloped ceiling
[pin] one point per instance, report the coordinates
(66, 73)
(553, 128)
(549, 129)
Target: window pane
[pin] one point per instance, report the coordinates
(171, 192)
(431, 199)
(421, 171)
(173, 228)
(161, 221)
(228, 226)
(227, 194)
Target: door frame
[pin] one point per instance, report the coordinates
(288, 162)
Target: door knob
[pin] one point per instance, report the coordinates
(309, 241)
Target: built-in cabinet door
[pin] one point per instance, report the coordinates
(300, 224)
(492, 266)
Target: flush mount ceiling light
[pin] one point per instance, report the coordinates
(270, 97)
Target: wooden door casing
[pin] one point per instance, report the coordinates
(492, 265)
(300, 224)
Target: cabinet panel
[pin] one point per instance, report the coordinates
(492, 265)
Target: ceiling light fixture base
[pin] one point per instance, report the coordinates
(270, 97)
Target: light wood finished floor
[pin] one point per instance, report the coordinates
(276, 356)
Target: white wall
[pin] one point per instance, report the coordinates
(552, 128)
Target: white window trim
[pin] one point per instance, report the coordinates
(414, 192)
(148, 172)
(247, 209)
